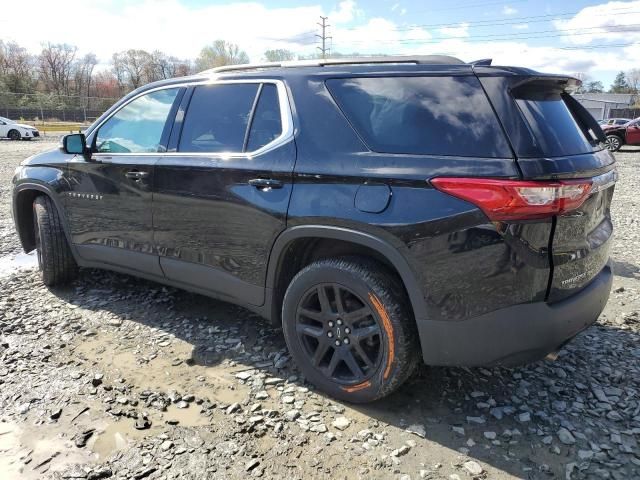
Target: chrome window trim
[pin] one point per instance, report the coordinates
(286, 118)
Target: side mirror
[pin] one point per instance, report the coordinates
(74, 143)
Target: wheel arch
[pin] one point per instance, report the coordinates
(368, 244)
(23, 197)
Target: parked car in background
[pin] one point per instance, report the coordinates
(17, 131)
(614, 122)
(627, 134)
(406, 209)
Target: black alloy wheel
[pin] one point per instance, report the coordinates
(340, 333)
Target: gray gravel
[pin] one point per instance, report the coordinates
(115, 377)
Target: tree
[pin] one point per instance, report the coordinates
(620, 84)
(279, 55)
(16, 68)
(56, 66)
(593, 87)
(633, 79)
(131, 68)
(220, 53)
(84, 73)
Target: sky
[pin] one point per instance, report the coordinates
(588, 37)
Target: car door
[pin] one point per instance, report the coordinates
(4, 128)
(633, 133)
(221, 193)
(109, 199)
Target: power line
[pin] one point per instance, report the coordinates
(631, 28)
(324, 25)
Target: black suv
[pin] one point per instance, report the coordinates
(377, 209)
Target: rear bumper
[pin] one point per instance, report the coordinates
(517, 334)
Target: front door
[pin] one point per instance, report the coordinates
(109, 200)
(221, 194)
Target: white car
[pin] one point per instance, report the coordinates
(16, 131)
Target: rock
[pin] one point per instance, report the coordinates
(458, 430)
(182, 404)
(99, 472)
(319, 428)
(524, 417)
(398, 452)
(166, 445)
(281, 362)
(490, 435)
(234, 407)
(251, 464)
(418, 430)
(244, 376)
(288, 399)
(142, 423)
(473, 468)
(341, 423)
(80, 439)
(291, 415)
(55, 415)
(566, 437)
(478, 420)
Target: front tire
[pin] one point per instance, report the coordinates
(614, 142)
(14, 135)
(55, 260)
(348, 327)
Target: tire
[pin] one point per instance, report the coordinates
(614, 142)
(14, 135)
(371, 319)
(55, 260)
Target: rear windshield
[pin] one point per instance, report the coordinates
(553, 125)
(422, 115)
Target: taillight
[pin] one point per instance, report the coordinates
(517, 199)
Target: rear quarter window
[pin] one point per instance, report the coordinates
(553, 125)
(422, 115)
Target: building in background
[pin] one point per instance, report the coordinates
(601, 105)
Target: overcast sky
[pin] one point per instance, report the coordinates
(598, 38)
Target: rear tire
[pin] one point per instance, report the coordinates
(348, 326)
(614, 142)
(14, 135)
(55, 260)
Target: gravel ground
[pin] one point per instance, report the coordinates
(115, 377)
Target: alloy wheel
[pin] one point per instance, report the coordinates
(340, 333)
(613, 143)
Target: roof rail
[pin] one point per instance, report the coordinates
(417, 60)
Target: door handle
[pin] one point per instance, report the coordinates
(136, 174)
(265, 183)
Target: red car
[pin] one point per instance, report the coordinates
(627, 134)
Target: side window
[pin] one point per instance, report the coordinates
(138, 126)
(266, 124)
(217, 118)
(422, 115)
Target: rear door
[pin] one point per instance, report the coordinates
(556, 138)
(221, 193)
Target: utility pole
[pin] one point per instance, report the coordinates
(324, 25)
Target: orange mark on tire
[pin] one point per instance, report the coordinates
(388, 328)
(355, 388)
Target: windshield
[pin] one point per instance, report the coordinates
(6, 120)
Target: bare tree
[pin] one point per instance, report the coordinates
(633, 79)
(83, 74)
(56, 66)
(131, 68)
(16, 68)
(220, 53)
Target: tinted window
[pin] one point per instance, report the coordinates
(138, 126)
(422, 115)
(266, 124)
(217, 118)
(553, 125)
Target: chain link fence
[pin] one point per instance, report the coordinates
(50, 108)
(625, 113)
